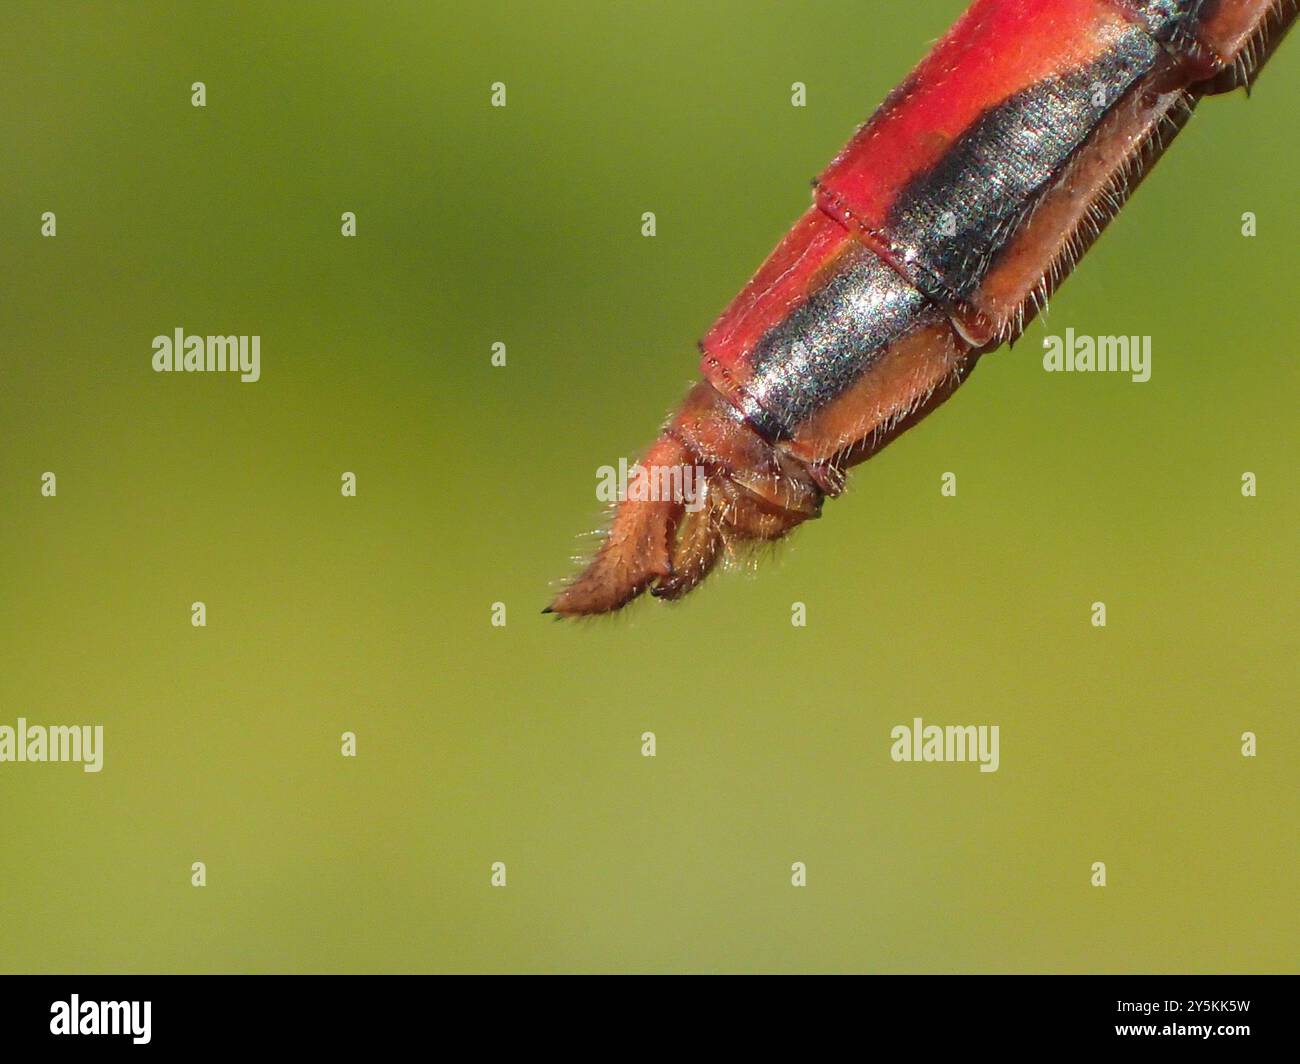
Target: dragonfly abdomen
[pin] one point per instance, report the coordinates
(935, 236)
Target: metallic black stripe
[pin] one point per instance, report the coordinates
(807, 360)
(1176, 24)
(1171, 20)
(949, 223)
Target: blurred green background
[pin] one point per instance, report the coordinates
(522, 744)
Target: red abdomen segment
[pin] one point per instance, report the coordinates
(939, 181)
(976, 185)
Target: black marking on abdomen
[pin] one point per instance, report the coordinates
(808, 359)
(1174, 23)
(949, 223)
